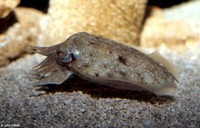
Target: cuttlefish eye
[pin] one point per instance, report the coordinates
(76, 54)
(65, 57)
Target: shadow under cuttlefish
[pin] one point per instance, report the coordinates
(95, 90)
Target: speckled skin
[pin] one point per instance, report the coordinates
(111, 63)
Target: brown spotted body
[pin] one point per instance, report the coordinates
(102, 60)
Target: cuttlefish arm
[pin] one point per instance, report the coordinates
(55, 77)
(49, 69)
(46, 51)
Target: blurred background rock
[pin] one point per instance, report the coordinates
(115, 19)
(176, 27)
(43, 22)
(17, 25)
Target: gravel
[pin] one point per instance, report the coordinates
(79, 103)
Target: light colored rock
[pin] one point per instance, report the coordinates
(119, 20)
(6, 6)
(175, 29)
(25, 30)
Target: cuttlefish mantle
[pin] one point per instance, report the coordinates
(107, 62)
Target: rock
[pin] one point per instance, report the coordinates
(173, 27)
(25, 30)
(6, 6)
(67, 102)
(117, 20)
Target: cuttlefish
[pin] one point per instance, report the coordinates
(107, 62)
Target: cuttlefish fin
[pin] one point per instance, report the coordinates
(140, 49)
(170, 67)
(168, 90)
(158, 57)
